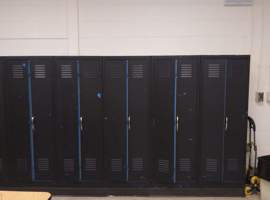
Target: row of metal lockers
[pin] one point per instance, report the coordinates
(174, 120)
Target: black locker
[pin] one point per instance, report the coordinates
(67, 120)
(139, 71)
(236, 120)
(162, 118)
(2, 130)
(187, 120)
(17, 120)
(212, 104)
(91, 118)
(42, 73)
(115, 119)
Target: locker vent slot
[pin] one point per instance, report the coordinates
(90, 164)
(211, 165)
(17, 71)
(137, 164)
(66, 71)
(1, 164)
(116, 72)
(39, 71)
(21, 165)
(213, 71)
(163, 72)
(185, 71)
(92, 72)
(184, 165)
(69, 165)
(163, 166)
(43, 164)
(136, 71)
(232, 164)
(116, 164)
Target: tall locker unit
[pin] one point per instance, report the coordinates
(66, 120)
(17, 120)
(212, 103)
(236, 120)
(115, 119)
(162, 118)
(139, 138)
(42, 73)
(2, 130)
(186, 159)
(91, 118)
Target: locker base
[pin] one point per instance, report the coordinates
(153, 191)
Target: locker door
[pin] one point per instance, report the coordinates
(66, 113)
(139, 112)
(43, 118)
(187, 120)
(2, 130)
(212, 118)
(162, 111)
(17, 120)
(236, 118)
(115, 119)
(91, 118)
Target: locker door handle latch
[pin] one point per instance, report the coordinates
(226, 123)
(81, 123)
(129, 126)
(177, 124)
(33, 123)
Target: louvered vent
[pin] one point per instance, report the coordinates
(163, 72)
(213, 71)
(1, 164)
(116, 164)
(211, 165)
(90, 164)
(185, 71)
(136, 71)
(232, 164)
(66, 71)
(116, 72)
(91, 72)
(21, 165)
(69, 165)
(17, 71)
(43, 164)
(39, 71)
(163, 166)
(137, 164)
(184, 165)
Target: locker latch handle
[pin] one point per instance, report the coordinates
(33, 123)
(226, 123)
(177, 123)
(129, 125)
(81, 123)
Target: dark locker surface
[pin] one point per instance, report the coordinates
(187, 120)
(66, 119)
(212, 104)
(43, 82)
(139, 71)
(2, 130)
(17, 120)
(162, 122)
(114, 119)
(91, 100)
(236, 113)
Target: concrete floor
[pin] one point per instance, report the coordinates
(152, 198)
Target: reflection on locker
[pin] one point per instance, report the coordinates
(17, 120)
(66, 119)
(115, 119)
(91, 118)
(162, 113)
(187, 120)
(42, 70)
(139, 143)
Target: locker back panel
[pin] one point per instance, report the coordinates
(187, 113)
(43, 117)
(236, 112)
(66, 113)
(91, 118)
(139, 134)
(212, 118)
(114, 119)
(2, 130)
(162, 111)
(17, 123)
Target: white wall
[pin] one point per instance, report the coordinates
(144, 27)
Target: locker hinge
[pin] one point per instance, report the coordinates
(177, 123)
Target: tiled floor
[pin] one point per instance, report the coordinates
(153, 198)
